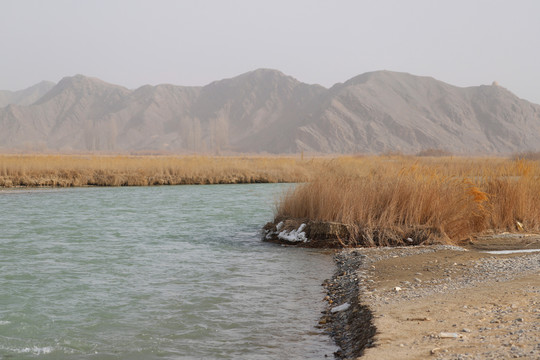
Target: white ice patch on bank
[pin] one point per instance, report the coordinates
(270, 234)
(504, 252)
(297, 235)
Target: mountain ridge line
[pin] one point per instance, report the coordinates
(268, 111)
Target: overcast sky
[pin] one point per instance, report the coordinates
(136, 42)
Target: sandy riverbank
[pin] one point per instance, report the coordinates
(438, 302)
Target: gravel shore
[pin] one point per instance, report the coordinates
(441, 302)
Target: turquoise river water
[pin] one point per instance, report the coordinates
(175, 272)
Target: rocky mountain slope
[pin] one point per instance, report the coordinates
(267, 111)
(385, 111)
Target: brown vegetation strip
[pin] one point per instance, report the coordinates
(408, 201)
(93, 170)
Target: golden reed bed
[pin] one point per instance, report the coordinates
(408, 200)
(94, 170)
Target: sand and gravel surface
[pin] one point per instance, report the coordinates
(439, 302)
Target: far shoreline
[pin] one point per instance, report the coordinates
(127, 170)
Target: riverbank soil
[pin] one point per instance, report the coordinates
(446, 302)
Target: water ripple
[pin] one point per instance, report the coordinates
(154, 273)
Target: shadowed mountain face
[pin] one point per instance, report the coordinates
(267, 111)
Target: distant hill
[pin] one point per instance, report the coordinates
(26, 96)
(268, 111)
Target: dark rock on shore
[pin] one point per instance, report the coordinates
(347, 321)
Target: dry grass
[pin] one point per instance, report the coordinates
(389, 199)
(79, 170)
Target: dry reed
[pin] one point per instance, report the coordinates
(92, 170)
(405, 200)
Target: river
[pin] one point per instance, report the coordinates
(171, 272)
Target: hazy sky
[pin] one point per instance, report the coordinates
(136, 42)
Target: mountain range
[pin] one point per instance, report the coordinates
(266, 111)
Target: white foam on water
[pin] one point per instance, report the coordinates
(504, 252)
(5, 322)
(35, 350)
